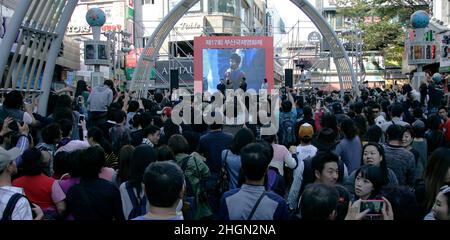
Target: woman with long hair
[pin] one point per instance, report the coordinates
(134, 201)
(231, 157)
(63, 110)
(350, 148)
(81, 97)
(123, 173)
(372, 154)
(93, 198)
(436, 175)
(368, 183)
(96, 138)
(196, 172)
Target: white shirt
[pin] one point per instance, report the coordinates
(27, 118)
(22, 211)
(303, 152)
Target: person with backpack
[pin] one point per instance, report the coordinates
(13, 203)
(288, 119)
(281, 155)
(164, 187)
(196, 173)
(273, 181)
(134, 201)
(231, 158)
(252, 201)
(211, 145)
(304, 150)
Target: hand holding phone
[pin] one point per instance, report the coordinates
(81, 119)
(375, 207)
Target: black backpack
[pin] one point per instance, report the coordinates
(11, 205)
(139, 204)
(287, 129)
(223, 181)
(189, 190)
(190, 197)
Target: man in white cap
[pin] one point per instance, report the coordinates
(13, 204)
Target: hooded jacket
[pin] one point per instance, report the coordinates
(100, 98)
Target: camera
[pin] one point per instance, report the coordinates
(375, 207)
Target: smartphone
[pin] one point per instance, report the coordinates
(375, 207)
(82, 118)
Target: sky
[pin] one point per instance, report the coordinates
(290, 14)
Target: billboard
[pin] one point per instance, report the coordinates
(232, 58)
(115, 17)
(96, 53)
(421, 47)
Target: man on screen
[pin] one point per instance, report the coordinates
(221, 86)
(234, 73)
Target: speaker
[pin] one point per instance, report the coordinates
(173, 79)
(288, 77)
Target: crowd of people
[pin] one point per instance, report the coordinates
(103, 154)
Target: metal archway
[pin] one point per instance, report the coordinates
(41, 25)
(147, 59)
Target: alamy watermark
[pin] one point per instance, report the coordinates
(250, 107)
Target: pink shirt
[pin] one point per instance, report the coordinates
(107, 174)
(281, 155)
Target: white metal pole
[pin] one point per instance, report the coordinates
(11, 32)
(53, 55)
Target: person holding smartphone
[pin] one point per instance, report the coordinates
(356, 210)
(368, 183)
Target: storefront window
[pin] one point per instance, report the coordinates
(224, 6)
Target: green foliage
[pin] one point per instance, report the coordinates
(387, 35)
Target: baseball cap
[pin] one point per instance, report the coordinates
(306, 131)
(7, 156)
(167, 111)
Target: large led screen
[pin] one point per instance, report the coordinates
(231, 59)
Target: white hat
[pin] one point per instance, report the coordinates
(7, 156)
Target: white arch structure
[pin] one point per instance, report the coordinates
(147, 59)
(41, 26)
(43, 23)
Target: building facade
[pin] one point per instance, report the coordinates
(119, 17)
(68, 58)
(206, 18)
(369, 66)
